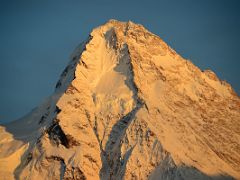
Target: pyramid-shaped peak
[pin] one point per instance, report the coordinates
(127, 106)
(133, 35)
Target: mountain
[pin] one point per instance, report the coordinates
(127, 106)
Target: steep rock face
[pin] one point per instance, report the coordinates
(127, 107)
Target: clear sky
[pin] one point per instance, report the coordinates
(37, 38)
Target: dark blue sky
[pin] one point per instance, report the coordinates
(37, 38)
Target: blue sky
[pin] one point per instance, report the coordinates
(37, 38)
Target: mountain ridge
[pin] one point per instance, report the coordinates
(128, 106)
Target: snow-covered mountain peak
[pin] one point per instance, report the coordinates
(127, 106)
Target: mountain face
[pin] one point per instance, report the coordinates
(127, 106)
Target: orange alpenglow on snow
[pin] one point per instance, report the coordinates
(127, 106)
